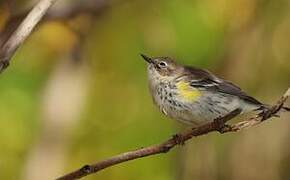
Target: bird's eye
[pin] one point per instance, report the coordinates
(162, 64)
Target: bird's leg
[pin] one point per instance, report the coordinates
(220, 122)
(178, 139)
(221, 126)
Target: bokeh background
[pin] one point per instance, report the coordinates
(76, 91)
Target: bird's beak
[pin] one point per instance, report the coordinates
(146, 58)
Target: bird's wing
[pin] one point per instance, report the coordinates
(204, 79)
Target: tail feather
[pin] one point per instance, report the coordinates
(265, 107)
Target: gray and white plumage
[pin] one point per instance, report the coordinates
(217, 97)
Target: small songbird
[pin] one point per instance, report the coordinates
(194, 96)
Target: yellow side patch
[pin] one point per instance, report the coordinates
(187, 92)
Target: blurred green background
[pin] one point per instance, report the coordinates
(76, 91)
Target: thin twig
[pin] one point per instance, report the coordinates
(217, 125)
(23, 31)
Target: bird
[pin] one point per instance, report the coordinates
(195, 96)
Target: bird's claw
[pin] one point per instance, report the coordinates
(178, 139)
(221, 126)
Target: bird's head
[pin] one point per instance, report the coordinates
(162, 67)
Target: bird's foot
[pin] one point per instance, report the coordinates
(178, 139)
(221, 126)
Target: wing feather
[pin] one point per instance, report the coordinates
(204, 79)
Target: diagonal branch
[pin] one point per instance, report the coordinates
(217, 125)
(23, 31)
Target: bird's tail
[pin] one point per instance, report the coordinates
(265, 107)
(264, 110)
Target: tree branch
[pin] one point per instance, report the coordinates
(217, 125)
(23, 31)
